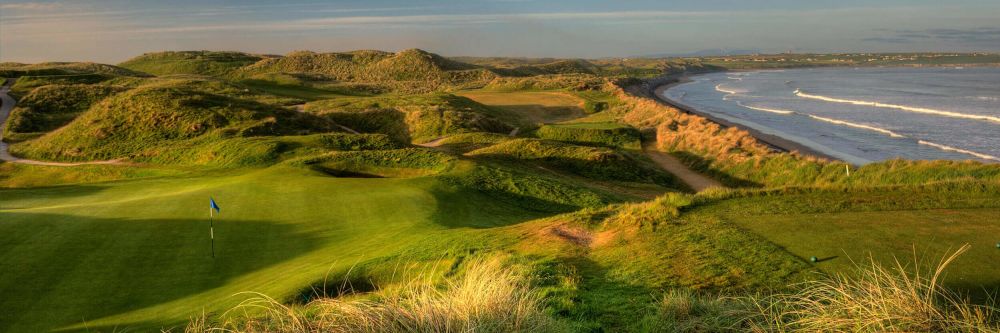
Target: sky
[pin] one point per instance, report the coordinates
(111, 31)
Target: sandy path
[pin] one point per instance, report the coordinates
(671, 164)
(6, 106)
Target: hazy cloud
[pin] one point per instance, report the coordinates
(972, 36)
(32, 6)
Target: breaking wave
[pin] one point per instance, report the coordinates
(861, 126)
(719, 88)
(959, 150)
(799, 93)
(764, 109)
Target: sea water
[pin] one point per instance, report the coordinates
(861, 115)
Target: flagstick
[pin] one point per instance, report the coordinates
(211, 229)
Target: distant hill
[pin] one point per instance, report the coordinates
(13, 69)
(190, 62)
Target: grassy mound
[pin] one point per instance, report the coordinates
(49, 107)
(190, 62)
(213, 151)
(410, 162)
(135, 121)
(410, 70)
(606, 133)
(417, 118)
(594, 162)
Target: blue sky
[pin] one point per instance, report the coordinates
(112, 31)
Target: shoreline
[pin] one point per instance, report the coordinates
(773, 141)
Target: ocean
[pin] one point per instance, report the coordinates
(861, 115)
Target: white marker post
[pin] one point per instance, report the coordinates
(848, 168)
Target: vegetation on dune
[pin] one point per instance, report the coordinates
(488, 296)
(133, 122)
(49, 107)
(545, 82)
(417, 118)
(261, 151)
(531, 191)
(406, 71)
(607, 133)
(594, 162)
(190, 62)
(406, 162)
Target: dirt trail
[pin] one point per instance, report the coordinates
(6, 106)
(671, 164)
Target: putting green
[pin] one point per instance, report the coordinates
(136, 253)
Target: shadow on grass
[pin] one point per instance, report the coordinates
(63, 270)
(11, 196)
(698, 163)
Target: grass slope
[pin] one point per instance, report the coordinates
(137, 252)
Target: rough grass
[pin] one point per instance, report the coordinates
(488, 297)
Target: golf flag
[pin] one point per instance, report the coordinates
(213, 206)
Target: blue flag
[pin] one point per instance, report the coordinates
(213, 205)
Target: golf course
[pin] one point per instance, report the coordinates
(378, 180)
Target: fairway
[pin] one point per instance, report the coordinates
(846, 239)
(533, 106)
(137, 253)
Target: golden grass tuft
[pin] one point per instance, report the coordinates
(488, 297)
(879, 299)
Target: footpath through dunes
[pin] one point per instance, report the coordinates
(6, 106)
(671, 164)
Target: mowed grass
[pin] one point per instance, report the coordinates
(136, 254)
(534, 106)
(842, 240)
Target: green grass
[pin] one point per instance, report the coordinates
(136, 253)
(602, 133)
(843, 237)
(841, 226)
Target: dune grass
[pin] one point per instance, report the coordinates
(488, 296)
